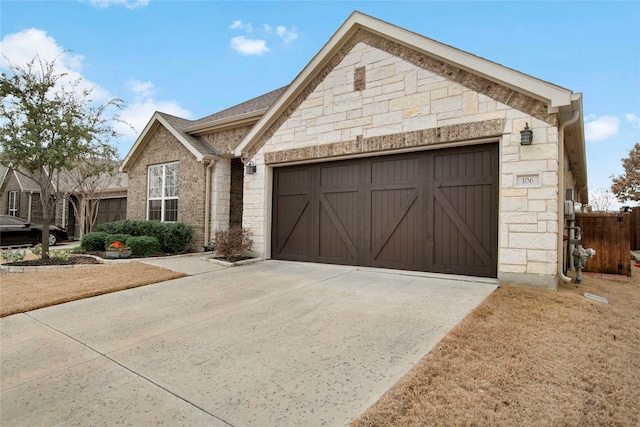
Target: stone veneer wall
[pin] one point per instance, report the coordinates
(220, 195)
(163, 147)
(226, 185)
(403, 101)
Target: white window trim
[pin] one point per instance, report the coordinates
(162, 197)
(12, 196)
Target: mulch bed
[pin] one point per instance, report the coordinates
(78, 258)
(72, 260)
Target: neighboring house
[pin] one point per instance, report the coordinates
(389, 150)
(20, 196)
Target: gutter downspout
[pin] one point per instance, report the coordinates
(30, 204)
(207, 201)
(572, 120)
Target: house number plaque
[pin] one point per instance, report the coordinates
(530, 180)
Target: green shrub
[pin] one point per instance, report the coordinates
(126, 226)
(122, 238)
(143, 245)
(37, 250)
(60, 254)
(12, 256)
(177, 236)
(93, 241)
(172, 236)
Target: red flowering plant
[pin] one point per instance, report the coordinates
(116, 245)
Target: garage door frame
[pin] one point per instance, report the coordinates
(432, 198)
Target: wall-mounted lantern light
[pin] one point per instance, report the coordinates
(250, 168)
(526, 135)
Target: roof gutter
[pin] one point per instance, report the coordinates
(561, 196)
(238, 119)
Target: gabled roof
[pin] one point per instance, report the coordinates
(188, 131)
(25, 180)
(555, 97)
(28, 181)
(196, 145)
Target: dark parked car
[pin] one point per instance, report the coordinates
(16, 231)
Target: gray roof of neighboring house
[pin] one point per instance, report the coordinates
(26, 180)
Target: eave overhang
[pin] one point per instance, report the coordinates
(249, 118)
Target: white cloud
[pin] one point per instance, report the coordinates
(286, 35)
(257, 45)
(138, 114)
(129, 4)
(633, 119)
(141, 89)
(249, 46)
(239, 25)
(601, 128)
(20, 48)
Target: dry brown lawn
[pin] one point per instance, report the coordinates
(20, 292)
(529, 357)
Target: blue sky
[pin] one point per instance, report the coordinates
(194, 58)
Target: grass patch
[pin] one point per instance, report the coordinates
(20, 292)
(529, 357)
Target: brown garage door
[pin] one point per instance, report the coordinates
(427, 211)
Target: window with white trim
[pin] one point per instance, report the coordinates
(162, 196)
(12, 203)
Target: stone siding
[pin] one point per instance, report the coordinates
(410, 97)
(163, 147)
(220, 195)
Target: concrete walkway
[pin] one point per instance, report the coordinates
(266, 344)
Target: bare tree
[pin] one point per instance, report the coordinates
(602, 199)
(85, 185)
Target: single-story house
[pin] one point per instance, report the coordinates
(388, 149)
(20, 196)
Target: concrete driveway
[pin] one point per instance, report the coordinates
(267, 344)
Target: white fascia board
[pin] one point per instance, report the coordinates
(198, 155)
(539, 89)
(131, 154)
(139, 141)
(5, 175)
(15, 173)
(239, 119)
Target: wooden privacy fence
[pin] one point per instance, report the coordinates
(609, 234)
(635, 227)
